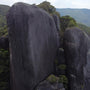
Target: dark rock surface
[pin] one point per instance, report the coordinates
(45, 85)
(75, 47)
(60, 62)
(61, 56)
(4, 43)
(33, 45)
(87, 67)
(57, 22)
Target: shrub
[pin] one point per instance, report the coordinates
(52, 79)
(62, 67)
(63, 79)
(56, 62)
(4, 70)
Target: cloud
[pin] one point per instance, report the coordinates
(81, 3)
(56, 3)
(11, 2)
(72, 3)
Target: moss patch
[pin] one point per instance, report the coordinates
(52, 79)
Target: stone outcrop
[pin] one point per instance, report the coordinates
(87, 67)
(75, 47)
(45, 85)
(57, 22)
(33, 45)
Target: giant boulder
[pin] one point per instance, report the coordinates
(87, 67)
(33, 45)
(75, 47)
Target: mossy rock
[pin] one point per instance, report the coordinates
(61, 49)
(63, 79)
(61, 67)
(52, 79)
(56, 62)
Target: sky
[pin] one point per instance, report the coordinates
(56, 3)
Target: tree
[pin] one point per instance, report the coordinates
(48, 8)
(66, 22)
(4, 70)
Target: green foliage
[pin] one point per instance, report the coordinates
(3, 25)
(82, 86)
(85, 28)
(63, 79)
(67, 21)
(56, 62)
(61, 49)
(48, 8)
(62, 66)
(3, 31)
(4, 70)
(52, 79)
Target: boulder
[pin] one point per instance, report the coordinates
(45, 85)
(33, 45)
(75, 47)
(87, 67)
(57, 22)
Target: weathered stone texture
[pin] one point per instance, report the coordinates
(75, 47)
(33, 45)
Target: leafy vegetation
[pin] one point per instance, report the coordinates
(67, 21)
(3, 25)
(63, 79)
(4, 54)
(62, 66)
(3, 31)
(52, 79)
(4, 70)
(84, 28)
(48, 8)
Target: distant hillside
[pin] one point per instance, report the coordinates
(3, 9)
(3, 12)
(80, 15)
(84, 28)
(3, 27)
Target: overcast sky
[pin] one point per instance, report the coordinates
(56, 3)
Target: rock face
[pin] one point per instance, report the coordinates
(60, 62)
(75, 46)
(45, 85)
(33, 45)
(57, 22)
(87, 67)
